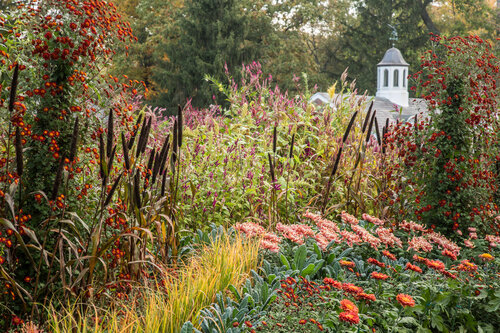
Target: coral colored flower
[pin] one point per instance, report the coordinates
(375, 262)
(379, 276)
(302, 322)
(346, 263)
(419, 243)
(348, 306)
(387, 237)
(414, 268)
(350, 288)
(435, 264)
(492, 239)
(332, 282)
(236, 324)
(348, 218)
(389, 255)
(368, 297)
(349, 317)
(405, 300)
(466, 265)
(468, 243)
(366, 236)
(449, 254)
(448, 274)
(486, 257)
(372, 219)
(419, 259)
(249, 324)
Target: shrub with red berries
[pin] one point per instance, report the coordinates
(447, 158)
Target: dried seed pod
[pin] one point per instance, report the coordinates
(136, 129)
(142, 137)
(57, 180)
(163, 184)
(112, 191)
(174, 143)
(137, 193)
(367, 119)
(275, 137)
(125, 152)
(13, 88)
(110, 160)
(152, 155)
(163, 165)
(291, 146)
(179, 125)
(348, 129)
(384, 131)
(370, 127)
(101, 156)
(156, 166)
(19, 152)
(336, 164)
(109, 143)
(163, 153)
(146, 136)
(378, 133)
(271, 167)
(74, 140)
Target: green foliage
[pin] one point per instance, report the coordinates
(211, 35)
(450, 157)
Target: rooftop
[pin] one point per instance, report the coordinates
(384, 107)
(393, 57)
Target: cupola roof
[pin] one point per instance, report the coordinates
(393, 57)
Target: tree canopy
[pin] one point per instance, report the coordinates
(181, 41)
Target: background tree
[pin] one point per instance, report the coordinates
(208, 35)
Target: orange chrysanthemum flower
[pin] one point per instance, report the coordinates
(414, 268)
(348, 306)
(365, 296)
(405, 300)
(375, 262)
(379, 276)
(486, 257)
(350, 288)
(347, 263)
(389, 255)
(349, 317)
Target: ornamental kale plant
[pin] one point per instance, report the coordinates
(448, 159)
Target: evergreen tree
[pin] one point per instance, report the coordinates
(210, 34)
(365, 36)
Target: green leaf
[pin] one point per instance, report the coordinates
(235, 292)
(187, 327)
(300, 257)
(284, 261)
(308, 270)
(409, 320)
(437, 322)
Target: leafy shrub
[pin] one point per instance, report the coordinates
(448, 178)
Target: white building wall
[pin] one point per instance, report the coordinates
(398, 95)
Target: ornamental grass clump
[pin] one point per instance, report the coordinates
(176, 297)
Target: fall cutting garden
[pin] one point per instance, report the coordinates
(266, 213)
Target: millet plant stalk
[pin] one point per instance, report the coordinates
(289, 161)
(12, 99)
(337, 160)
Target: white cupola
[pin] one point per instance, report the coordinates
(391, 77)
